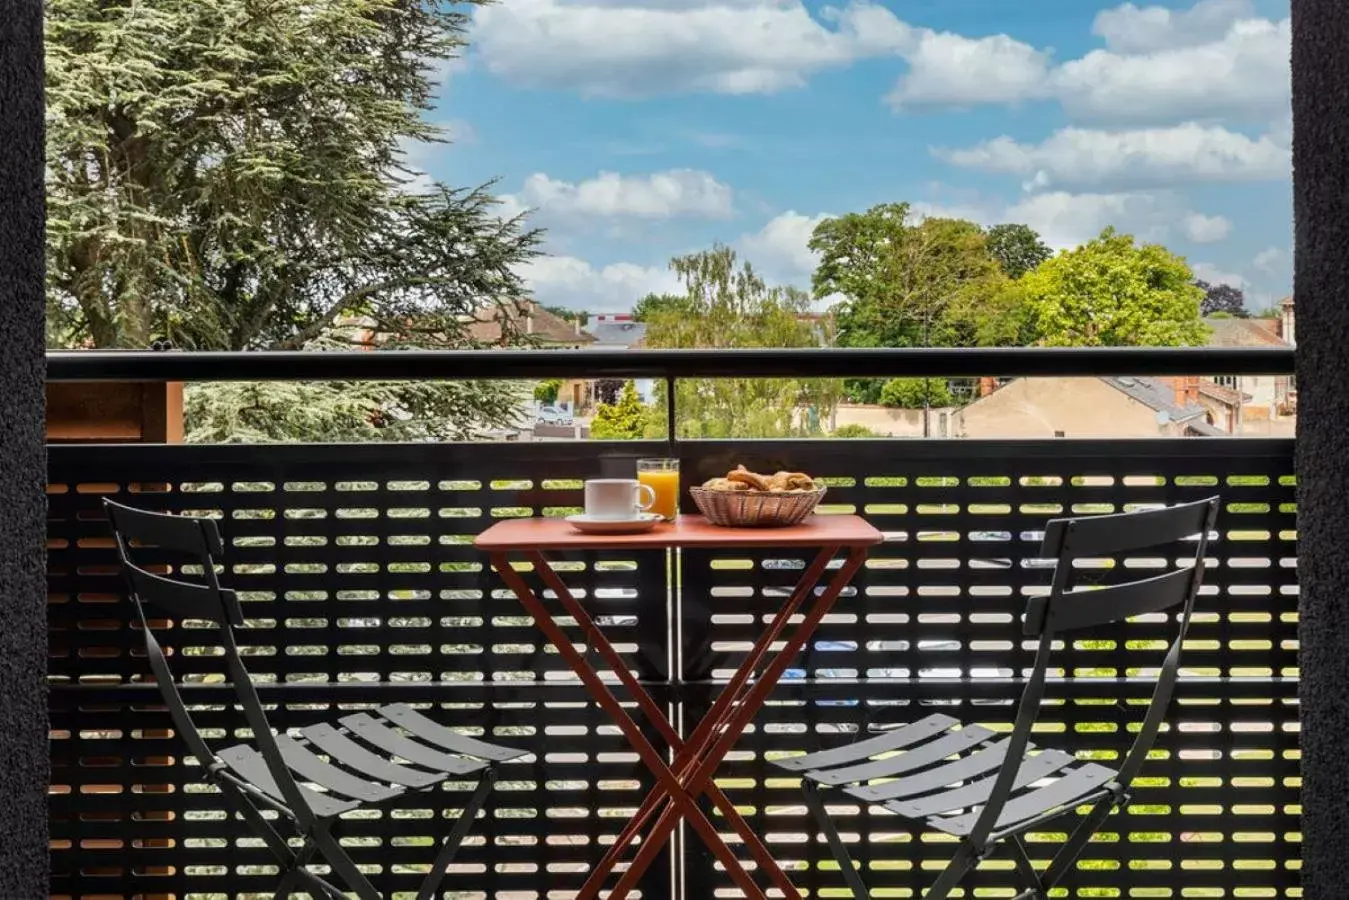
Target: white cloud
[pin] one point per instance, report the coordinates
(948, 69)
(1065, 220)
(1215, 60)
(575, 283)
(780, 249)
(1131, 29)
(1270, 260)
(1213, 275)
(677, 193)
(1242, 74)
(629, 48)
(1077, 157)
(1204, 229)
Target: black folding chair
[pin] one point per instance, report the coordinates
(987, 790)
(312, 777)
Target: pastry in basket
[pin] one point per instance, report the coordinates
(753, 480)
(791, 481)
(724, 484)
(742, 479)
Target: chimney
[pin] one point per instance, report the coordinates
(987, 385)
(1186, 388)
(1287, 324)
(578, 326)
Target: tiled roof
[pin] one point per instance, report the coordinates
(1222, 394)
(1157, 395)
(1234, 332)
(531, 318)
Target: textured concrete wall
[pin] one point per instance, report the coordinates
(1321, 282)
(23, 632)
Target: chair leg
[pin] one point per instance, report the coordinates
(815, 804)
(1032, 878)
(1072, 848)
(457, 835)
(954, 873)
(342, 863)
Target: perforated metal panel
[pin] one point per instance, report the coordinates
(362, 587)
(932, 623)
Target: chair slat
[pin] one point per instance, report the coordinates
(925, 755)
(1073, 788)
(1086, 608)
(886, 742)
(311, 768)
(981, 762)
(434, 733)
(248, 764)
(390, 741)
(1032, 770)
(343, 749)
(1125, 532)
(181, 599)
(185, 534)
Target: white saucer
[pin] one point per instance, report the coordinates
(592, 525)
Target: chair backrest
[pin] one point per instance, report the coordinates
(1068, 606)
(196, 544)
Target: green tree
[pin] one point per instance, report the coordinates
(916, 393)
(231, 175)
(906, 283)
(654, 304)
(626, 420)
(1112, 292)
(546, 391)
(1017, 248)
(853, 431)
(727, 305)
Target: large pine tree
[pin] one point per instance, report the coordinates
(230, 174)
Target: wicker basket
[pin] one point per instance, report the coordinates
(756, 509)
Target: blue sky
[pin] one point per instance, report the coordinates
(640, 129)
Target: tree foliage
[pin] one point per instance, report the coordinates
(1222, 298)
(1017, 248)
(347, 411)
(911, 283)
(727, 305)
(916, 393)
(230, 175)
(546, 391)
(1112, 292)
(654, 304)
(853, 431)
(627, 419)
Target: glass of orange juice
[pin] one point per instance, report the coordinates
(662, 476)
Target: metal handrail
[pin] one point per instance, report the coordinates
(455, 365)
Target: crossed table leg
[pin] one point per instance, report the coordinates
(695, 760)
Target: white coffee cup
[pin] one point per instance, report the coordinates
(617, 498)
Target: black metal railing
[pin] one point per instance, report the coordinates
(361, 586)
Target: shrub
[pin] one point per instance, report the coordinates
(854, 431)
(546, 391)
(914, 393)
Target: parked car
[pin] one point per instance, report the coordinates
(553, 415)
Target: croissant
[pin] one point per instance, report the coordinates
(752, 480)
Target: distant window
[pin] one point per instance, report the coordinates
(1227, 381)
(1059, 434)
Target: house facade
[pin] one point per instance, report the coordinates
(1271, 397)
(1089, 408)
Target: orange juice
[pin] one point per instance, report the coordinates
(665, 483)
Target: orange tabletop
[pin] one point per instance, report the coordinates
(686, 531)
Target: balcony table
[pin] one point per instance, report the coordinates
(691, 774)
